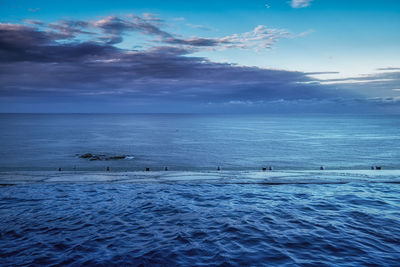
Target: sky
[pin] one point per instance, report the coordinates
(274, 56)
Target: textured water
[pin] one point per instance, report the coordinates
(194, 215)
(356, 224)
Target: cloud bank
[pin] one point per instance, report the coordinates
(77, 66)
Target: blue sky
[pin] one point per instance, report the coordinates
(309, 55)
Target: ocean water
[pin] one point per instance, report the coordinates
(210, 224)
(198, 142)
(192, 214)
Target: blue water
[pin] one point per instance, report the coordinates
(194, 215)
(200, 224)
(198, 142)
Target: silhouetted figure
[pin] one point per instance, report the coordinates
(321, 168)
(372, 168)
(59, 169)
(378, 168)
(270, 168)
(264, 169)
(218, 168)
(166, 169)
(108, 169)
(147, 169)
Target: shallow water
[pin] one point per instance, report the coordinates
(354, 224)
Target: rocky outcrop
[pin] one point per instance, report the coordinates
(93, 157)
(116, 157)
(86, 156)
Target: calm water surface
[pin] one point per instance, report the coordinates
(197, 142)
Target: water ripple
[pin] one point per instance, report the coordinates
(158, 224)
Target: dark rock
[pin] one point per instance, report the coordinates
(116, 157)
(93, 157)
(98, 157)
(86, 156)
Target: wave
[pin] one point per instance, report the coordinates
(226, 177)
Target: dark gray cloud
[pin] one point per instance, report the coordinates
(194, 41)
(88, 68)
(22, 36)
(28, 44)
(42, 66)
(110, 29)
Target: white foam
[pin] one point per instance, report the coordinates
(289, 176)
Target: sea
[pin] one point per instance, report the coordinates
(199, 190)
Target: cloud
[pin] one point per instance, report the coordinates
(70, 28)
(53, 67)
(15, 36)
(179, 19)
(194, 41)
(389, 69)
(113, 29)
(33, 22)
(261, 37)
(322, 72)
(305, 33)
(147, 24)
(200, 27)
(24, 43)
(34, 9)
(108, 29)
(52, 63)
(300, 3)
(379, 84)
